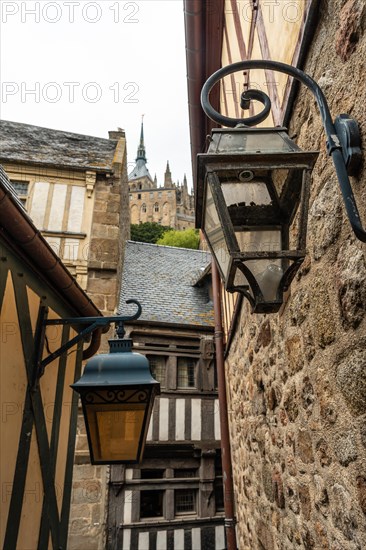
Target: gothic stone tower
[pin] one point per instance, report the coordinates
(169, 205)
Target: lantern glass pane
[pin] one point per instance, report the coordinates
(267, 272)
(267, 142)
(215, 234)
(115, 433)
(115, 429)
(259, 240)
(253, 193)
(250, 141)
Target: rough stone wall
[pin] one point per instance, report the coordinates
(88, 502)
(297, 379)
(110, 230)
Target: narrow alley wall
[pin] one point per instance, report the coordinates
(297, 379)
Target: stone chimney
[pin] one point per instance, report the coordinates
(116, 134)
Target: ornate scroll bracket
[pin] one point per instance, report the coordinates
(94, 323)
(343, 138)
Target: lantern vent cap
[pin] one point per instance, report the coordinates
(118, 368)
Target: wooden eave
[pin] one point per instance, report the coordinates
(204, 36)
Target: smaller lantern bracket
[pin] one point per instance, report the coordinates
(94, 323)
(343, 136)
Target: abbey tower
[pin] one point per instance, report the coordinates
(169, 204)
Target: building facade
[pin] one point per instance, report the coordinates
(169, 204)
(74, 188)
(174, 498)
(296, 380)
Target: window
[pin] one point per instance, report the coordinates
(219, 495)
(152, 474)
(143, 208)
(185, 501)
(139, 195)
(156, 207)
(218, 484)
(151, 504)
(185, 472)
(157, 367)
(186, 372)
(21, 189)
(215, 375)
(151, 195)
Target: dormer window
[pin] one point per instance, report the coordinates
(21, 189)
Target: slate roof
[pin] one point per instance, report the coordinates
(161, 278)
(44, 146)
(140, 170)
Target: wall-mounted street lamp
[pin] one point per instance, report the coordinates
(253, 188)
(117, 393)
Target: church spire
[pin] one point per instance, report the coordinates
(141, 152)
(168, 176)
(140, 170)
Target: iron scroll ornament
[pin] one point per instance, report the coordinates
(343, 139)
(113, 396)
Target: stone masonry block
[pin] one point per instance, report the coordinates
(351, 267)
(295, 354)
(325, 218)
(351, 380)
(346, 449)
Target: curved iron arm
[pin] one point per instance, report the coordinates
(138, 312)
(94, 324)
(334, 146)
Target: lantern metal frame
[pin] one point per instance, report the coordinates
(212, 165)
(343, 144)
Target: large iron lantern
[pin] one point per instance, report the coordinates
(253, 187)
(117, 394)
(252, 204)
(117, 389)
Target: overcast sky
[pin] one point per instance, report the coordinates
(89, 67)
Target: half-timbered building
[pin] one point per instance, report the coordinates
(174, 498)
(38, 408)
